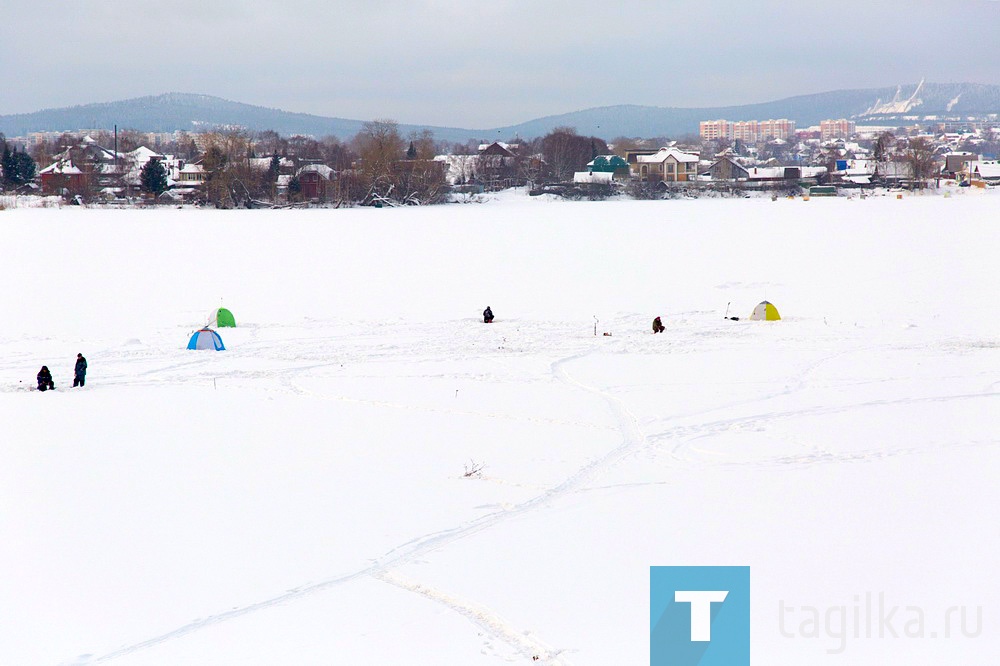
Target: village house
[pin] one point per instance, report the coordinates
(985, 172)
(496, 165)
(191, 175)
(314, 181)
(957, 162)
(90, 169)
(853, 172)
(62, 177)
(767, 176)
(726, 169)
(894, 174)
(613, 164)
(668, 165)
(459, 169)
(80, 168)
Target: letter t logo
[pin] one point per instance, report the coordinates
(701, 611)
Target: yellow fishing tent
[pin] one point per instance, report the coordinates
(765, 312)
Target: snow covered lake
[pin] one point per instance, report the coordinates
(302, 498)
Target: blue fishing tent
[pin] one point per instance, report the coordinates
(206, 338)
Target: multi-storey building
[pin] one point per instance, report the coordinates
(836, 129)
(749, 131)
(745, 131)
(782, 128)
(709, 130)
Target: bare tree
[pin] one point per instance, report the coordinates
(337, 155)
(232, 180)
(269, 142)
(379, 145)
(921, 158)
(470, 147)
(621, 144)
(530, 167)
(884, 144)
(423, 142)
(419, 182)
(566, 152)
(304, 148)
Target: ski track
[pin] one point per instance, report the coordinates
(523, 642)
(632, 440)
(358, 349)
(694, 432)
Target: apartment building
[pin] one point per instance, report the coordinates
(836, 129)
(714, 129)
(748, 131)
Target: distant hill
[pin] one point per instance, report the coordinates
(873, 106)
(181, 111)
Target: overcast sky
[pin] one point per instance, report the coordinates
(481, 64)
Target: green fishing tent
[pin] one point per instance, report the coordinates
(224, 318)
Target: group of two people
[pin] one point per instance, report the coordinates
(79, 375)
(658, 326)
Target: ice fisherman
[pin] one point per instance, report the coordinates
(487, 315)
(80, 371)
(658, 326)
(45, 379)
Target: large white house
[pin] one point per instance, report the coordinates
(669, 165)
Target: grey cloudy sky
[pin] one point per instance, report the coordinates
(484, 64)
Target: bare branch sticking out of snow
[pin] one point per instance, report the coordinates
(474, 470)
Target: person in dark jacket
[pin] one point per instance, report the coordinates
(45, 379)
(658, 326)
(80, 371)
(487, 315)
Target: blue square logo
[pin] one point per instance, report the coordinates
(699, 616)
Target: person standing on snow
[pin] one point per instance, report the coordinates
(45, 379)
(658, 326)
(80, 371)
(487, 315)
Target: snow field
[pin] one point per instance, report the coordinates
(299, 497)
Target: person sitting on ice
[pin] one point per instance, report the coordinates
(658, 326)
(45, 379)
(488, 315)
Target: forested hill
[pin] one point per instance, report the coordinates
(182, 111)
(940, 99)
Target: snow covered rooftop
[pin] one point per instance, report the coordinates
(142, 154)
(505, 146)
(323, 170)
(987, 169)
(63, 167)
(593, 177)
(667, 153)
(780, 172)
